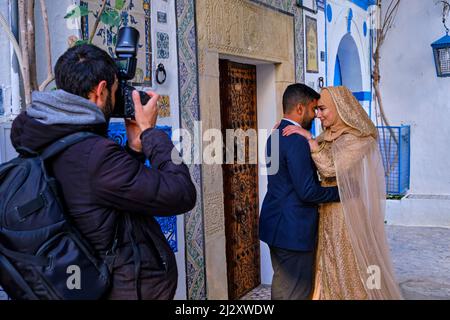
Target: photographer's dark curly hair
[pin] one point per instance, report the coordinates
(82, 67)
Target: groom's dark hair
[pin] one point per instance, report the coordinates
(298, 93)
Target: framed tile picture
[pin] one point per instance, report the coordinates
(312, 55)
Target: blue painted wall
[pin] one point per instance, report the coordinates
(365, 4)
(337, 73)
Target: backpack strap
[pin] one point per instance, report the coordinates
(25, 258)
(64, 143)
(17, 278)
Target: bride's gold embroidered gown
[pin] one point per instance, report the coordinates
(337, 275)
(353, 258)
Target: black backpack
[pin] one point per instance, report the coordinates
(42, 255)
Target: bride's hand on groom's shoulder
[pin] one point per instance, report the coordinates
(289, 130)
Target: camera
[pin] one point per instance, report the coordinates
(126, 61)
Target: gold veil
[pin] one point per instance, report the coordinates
(361, 181)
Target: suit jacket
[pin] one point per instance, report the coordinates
(289, 214)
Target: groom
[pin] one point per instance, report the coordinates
(289, 215)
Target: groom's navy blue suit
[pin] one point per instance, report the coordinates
(289, 215)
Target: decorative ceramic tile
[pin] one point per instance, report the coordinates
(169, 229)
(164, 107)
(135, 13)
(117, 132)
(162, 17)
(162, 45)
(189, 109)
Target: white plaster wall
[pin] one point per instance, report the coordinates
(7, 152)
(9, 76)
(312, 79)
(60, 31)
(170, 88)
(413, 94)
(5, 62)
(59, 34)
(337, 29)
(419, 212)
(267, 117)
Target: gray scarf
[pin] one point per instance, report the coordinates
(61, 107)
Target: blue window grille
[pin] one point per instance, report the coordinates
(395, 150)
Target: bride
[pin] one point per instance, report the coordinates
(353, 259)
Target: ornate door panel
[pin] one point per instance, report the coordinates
(238, 111)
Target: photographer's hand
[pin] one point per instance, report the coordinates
(147, 115)
(134, 135)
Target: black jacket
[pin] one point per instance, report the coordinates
(101, 182)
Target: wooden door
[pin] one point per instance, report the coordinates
(240, 181)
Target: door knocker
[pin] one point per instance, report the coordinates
(321, 82)
(161, 74)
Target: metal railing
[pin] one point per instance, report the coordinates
(395, 150)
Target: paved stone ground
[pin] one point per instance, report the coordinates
(421, 258)
(260, 293)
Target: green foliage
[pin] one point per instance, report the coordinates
(77, 12)
(80, 42)
(110, 17)
(120, 4)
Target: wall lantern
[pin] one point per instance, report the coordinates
(441, 48)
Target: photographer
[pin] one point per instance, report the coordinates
(100, 181)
